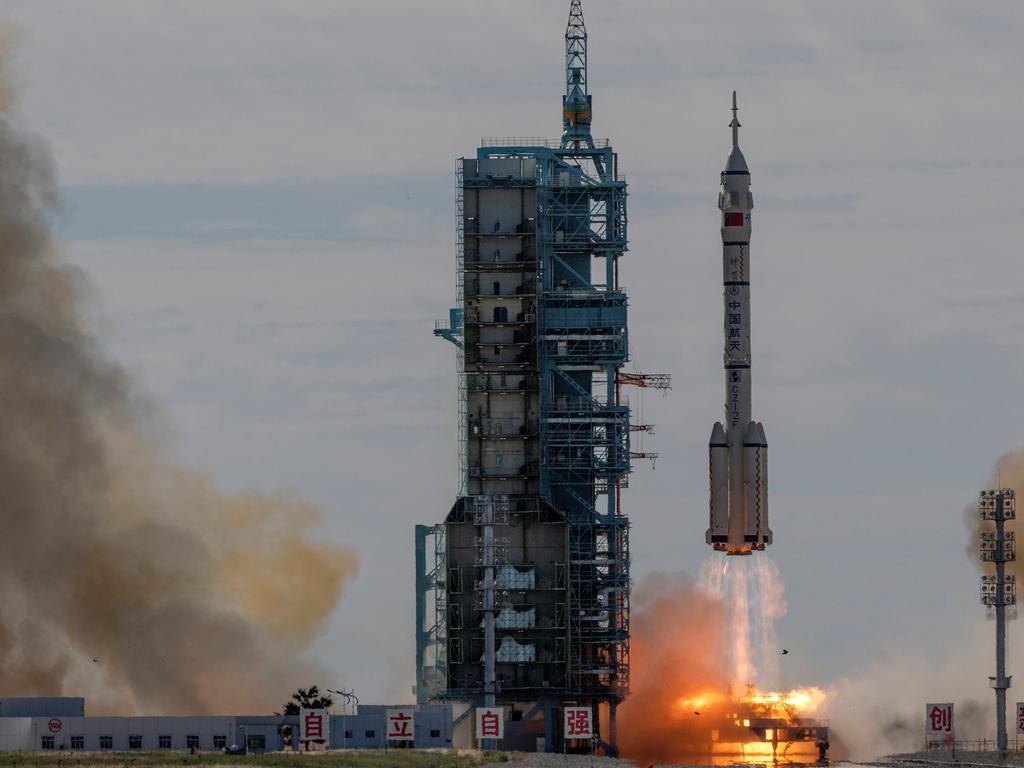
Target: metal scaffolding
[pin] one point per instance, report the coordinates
(585, 424)
(544, 431)
(431, 613)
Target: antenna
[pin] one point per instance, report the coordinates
(735, 124)
(576, 104)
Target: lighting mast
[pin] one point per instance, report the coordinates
(576, 104)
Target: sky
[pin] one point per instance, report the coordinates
(262, 196)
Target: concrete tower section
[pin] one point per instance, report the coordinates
(523, 590)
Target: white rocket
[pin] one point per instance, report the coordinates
(738, 450)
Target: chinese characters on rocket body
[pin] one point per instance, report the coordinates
(738, 449)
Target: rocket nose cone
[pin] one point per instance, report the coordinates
(717, 435)
(760, 434)
(736, 163)
(751, 437)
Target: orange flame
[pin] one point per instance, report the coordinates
(726, 716)
(681, 706)
(799, 702)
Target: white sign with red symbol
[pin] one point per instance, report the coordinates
(579, 723)
(490, 723)
(55, 725)
(312, 725)
(400, 725)
(1020, 717)
(938, 721)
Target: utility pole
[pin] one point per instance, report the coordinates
(490, 511)
(999, 591)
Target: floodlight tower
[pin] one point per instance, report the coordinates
(999, 590)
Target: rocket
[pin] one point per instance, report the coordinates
(738, 450)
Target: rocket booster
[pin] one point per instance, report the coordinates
(738, 449)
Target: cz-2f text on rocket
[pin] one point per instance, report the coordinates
(738, 449)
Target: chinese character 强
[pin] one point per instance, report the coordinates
(489, 724)
(314, 726)
(578, 722)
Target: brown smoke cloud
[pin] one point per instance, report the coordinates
(123, 577)
(676, 636)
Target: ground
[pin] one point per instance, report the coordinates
(943, 757)
(554, 760)
(391, 758)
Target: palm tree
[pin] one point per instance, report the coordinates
(308, 698)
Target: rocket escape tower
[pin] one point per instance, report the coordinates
(522, 593)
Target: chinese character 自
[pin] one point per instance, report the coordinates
(314, 726)
(489, 724)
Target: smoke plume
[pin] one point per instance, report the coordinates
(693, 647)
(751, 593)
(676, 632)
(123, 577)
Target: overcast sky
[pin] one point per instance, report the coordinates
(262, 194)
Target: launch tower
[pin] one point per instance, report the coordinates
(523, 592)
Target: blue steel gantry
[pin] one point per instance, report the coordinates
(526, 598)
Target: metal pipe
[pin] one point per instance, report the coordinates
(488, 605)
(613, 728)
(1001, 681)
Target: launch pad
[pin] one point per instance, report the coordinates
(802, 740)
(754, 728)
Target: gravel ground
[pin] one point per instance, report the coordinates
(553, 760)
(945, 757)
